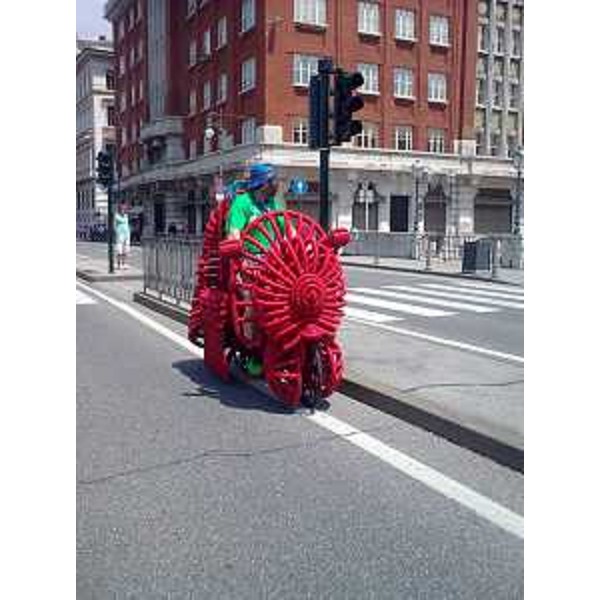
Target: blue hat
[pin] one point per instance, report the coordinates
(260, 174)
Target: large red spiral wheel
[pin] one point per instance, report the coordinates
(290, 269)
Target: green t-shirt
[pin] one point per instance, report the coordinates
(244, 209)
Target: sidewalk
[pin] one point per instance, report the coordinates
(447, 268)
(92, 270)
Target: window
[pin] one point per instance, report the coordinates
(133, 93)
(221, 32)
(367, 138)
(191, 7)
(222, 88)
(481, 70)
(500, 12)
(511, 145)
(110, 80)
(403, 83)
(404, 138)
(495, 144)
(483, 38)
(300, 132)
(206, 43)
(193, 53)
(479, 142)
(312, 12)
(304, 67)
(110, 116)
(498, 93)
(436, 139)
(248, 15)
(516, 42)
(368, 18)
(498, 68)
(500, 46)
(249, 131)
(481, 91)
(514, 70)
(514, 96)
(248, 75)
(132, 56)
(405, 25)
(517, 16)
(371, 77)
(122, 64)
(140, 50)
(141, 93)
(483, 9)
(207, 95)
(139, 10)
(436, 87)
(438, 31)
(122, 28)
(193, 102)
(193, 148)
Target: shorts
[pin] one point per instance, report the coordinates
(123, 247)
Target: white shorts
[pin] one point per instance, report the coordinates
(123, 247)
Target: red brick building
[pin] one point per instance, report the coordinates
(240, 70)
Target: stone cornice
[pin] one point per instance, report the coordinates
(294, 156)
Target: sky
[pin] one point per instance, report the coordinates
(90, 20)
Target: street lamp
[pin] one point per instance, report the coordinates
(420, 174)
(518, 162)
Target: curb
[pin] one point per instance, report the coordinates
(92, 276)
(423, 272)
(454, 429)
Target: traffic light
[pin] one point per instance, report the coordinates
(345, 103)
(104, 168)
(318, 131)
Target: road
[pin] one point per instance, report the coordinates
(476, 313)
(203, 490)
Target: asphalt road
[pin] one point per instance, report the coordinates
(191, 487)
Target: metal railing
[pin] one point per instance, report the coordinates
(432, 247)
(170, 262)
(170, 265)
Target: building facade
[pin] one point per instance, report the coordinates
(499, 76)
(95, 127)
(239, 71)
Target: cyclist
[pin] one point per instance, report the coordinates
(257, 199)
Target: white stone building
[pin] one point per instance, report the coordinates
(95, 118)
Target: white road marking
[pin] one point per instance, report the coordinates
(465, 296)
(397, 306)
(481, 505)
(443, 341)
(83, 298)
(492, 287)
(85, 257)
(367, 315)
(518, 296)
(435, 301)
(142, 318)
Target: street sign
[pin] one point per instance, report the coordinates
(299, 186)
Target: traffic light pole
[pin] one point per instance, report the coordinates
(111, 229)
(325, 69)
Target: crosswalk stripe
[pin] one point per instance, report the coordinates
(83, 298)
(367, 315)
(467, 296)
(472, 290)
(397, 306)
(435, 301)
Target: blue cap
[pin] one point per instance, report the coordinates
(260, 174)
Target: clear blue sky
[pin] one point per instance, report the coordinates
(90, 20)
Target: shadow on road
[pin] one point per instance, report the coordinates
(235, 394)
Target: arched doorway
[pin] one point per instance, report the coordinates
(435, 209)
(365, 207)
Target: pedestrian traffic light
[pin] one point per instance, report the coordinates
(104, 168)
(346, 102)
